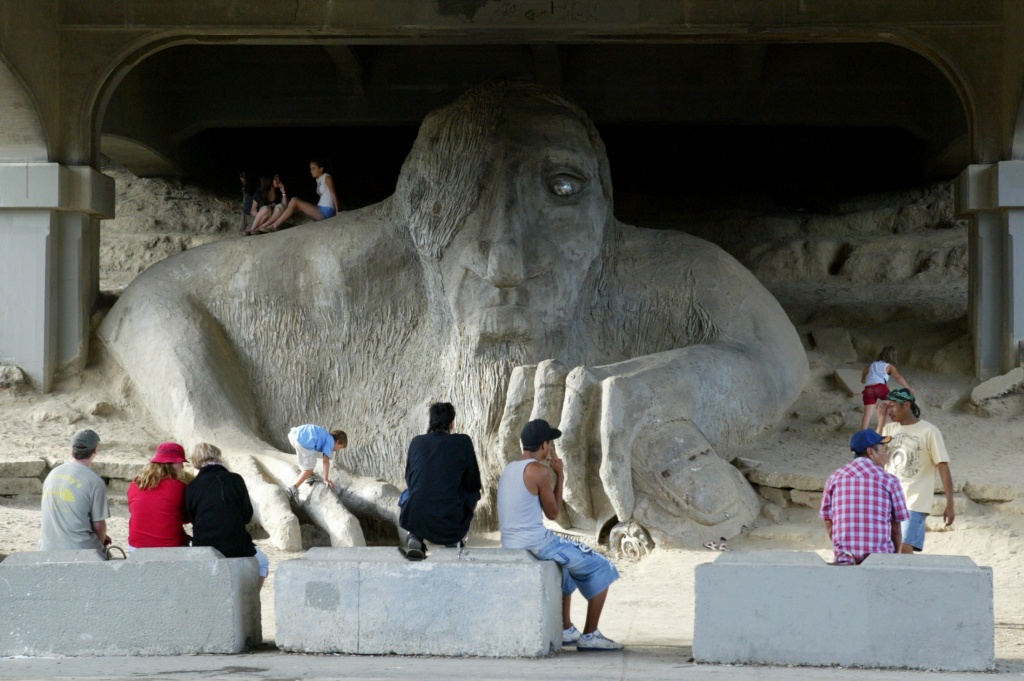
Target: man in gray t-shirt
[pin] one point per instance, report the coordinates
(74, 505)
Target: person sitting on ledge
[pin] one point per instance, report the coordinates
(218, 503)
(156, 501)
(443, 481)
(862, 504)
(524, 491)
(74, 508)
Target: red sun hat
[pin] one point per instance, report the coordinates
(169, 452)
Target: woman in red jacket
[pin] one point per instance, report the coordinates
(156, 501)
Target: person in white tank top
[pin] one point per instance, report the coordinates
(525, 495)
(875, 378)
(326, 207)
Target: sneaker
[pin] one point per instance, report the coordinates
(414, 549)
(570, 636)
(313, 479)
(596, 643)
(293, 492)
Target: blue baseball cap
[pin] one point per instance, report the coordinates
(862, 440)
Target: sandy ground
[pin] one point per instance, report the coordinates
(653, 604)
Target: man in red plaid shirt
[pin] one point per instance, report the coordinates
(862, 504)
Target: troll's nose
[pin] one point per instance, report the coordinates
(505, 264)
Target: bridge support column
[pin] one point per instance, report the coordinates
(991, 197)
(49, 264)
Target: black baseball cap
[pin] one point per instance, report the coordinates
(537, 432)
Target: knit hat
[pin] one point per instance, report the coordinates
(900, 395)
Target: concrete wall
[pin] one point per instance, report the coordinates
(371, 601)
(49, 263)
(919, 612)
(158, 602)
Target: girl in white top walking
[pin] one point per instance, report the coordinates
(875, 378)
(327, 207)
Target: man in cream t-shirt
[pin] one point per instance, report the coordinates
(916, 451)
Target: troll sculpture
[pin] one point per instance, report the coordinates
(497, 278)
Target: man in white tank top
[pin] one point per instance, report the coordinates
(524, 493)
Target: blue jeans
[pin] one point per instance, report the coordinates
(582, 568)
(913, 530)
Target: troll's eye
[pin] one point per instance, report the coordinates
(565, 185)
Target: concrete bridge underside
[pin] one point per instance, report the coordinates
(136, 79)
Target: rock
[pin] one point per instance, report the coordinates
(9, 486)
(11, 376)
(832, 421)
(775, 475)
(45, 415)
(54, 461)
(809, 499)
(745, 465)
(26, 467)
(849, 379)
(779, 497)
(1015, 507)
(989, 491)
(961, 505)
(121, 467)
(102, 409)
(998, 386)
(49, 415)
(835, 343)
(314, 536)
(117, 490)
(801, 533)
(771, 512)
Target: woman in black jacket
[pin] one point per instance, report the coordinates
(218, 504)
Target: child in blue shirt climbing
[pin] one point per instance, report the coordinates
(311, 443)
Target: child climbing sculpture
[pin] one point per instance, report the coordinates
(875, 378)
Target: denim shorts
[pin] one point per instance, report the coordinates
(263, 561)
(913, 530)
(327, 211)
(582, 568)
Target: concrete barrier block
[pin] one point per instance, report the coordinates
(158, 602)
(918, 612)
(370, 600)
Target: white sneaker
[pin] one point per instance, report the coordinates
(596, 643)
(570, 636)
(293, 492)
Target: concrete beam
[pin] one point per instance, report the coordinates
(991, 197)
(349, 69)
(49, 263)
(363, 15)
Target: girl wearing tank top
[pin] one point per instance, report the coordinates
(326, 207)
(875, 378)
